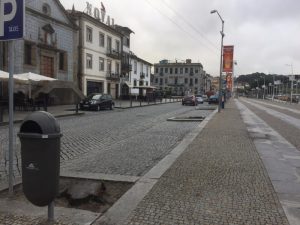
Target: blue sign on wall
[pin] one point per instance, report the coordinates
(12, 13)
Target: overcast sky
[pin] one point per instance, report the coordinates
(265, 33)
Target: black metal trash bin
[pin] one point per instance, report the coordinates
(40, 152)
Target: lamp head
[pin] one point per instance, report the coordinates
(213, 11)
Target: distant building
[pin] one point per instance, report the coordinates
(207, 82)
(179, 78)
(215, 84)
(99, 55)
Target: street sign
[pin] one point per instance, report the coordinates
(12, 22)
(291, 77)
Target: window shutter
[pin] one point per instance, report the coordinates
(65, 61)
(33, 55)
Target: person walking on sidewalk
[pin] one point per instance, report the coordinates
(223, 101)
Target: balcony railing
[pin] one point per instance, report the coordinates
(126, 67)
(112, 53)
(191, 73)
(112, 76)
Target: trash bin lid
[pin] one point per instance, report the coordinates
(40, 122)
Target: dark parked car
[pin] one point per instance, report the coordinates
(189, 100)
(97, 101)
(214, 99)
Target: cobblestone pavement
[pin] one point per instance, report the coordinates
(219, 179)
(10, 219)
(126, 142)
(132, 142)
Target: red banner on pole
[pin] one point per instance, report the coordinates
(227, 58)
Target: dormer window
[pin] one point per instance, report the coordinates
(46, 9)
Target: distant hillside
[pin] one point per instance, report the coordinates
(259, 78)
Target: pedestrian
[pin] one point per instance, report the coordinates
(223, 102)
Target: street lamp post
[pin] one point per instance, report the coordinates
(220, 78)
(257, 88)
(292, 80)
(264, 86)
(233, 75)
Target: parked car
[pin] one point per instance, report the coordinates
(189, 100)
(199, 99)
(205, 98)
(97, 101)
(214, 99)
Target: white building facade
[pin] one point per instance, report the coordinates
(99, 55)
(139, 77)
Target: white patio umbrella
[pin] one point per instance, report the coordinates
(5, 76)
(32, 77)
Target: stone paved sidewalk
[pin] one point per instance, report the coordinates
(219, 179)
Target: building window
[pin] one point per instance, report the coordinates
(176, 70)
(101, 64)
(191, 81)
(89, 34)
(134, 83)
(185, 80)
(166, 70)
(171, 70)
(166, 80)
(135, 67)
(108, 43)
(89, 61)
(29, 54)
(142, 68)
(147, 83)
(126, 42)
(108, 88)
(160, 81)
(109, 66)
(46, 9)
(191, 70)
(117, 70)
(181, 70)
(147, 72)
(101, 39)
(196, 81)
(156, 80)
(156, 70)
(186, 70)
(176, 80)
(117, 46)
(63, 61)
(196, 70)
